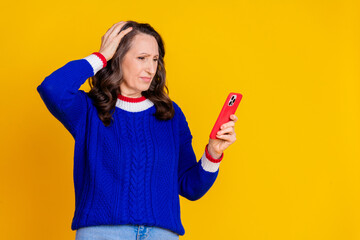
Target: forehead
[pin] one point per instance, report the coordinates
(144, 43)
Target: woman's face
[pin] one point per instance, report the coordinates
(139, 65)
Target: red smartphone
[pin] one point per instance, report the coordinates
(229, 108)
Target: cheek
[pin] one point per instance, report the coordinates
(135, 69)
(128, 71)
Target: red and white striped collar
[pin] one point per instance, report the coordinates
(133, 104)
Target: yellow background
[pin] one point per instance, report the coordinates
(294, 171)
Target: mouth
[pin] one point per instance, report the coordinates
(146, 79)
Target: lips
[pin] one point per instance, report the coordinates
(146, 79)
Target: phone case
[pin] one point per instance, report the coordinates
(229, 108)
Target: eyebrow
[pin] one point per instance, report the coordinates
(149, 54)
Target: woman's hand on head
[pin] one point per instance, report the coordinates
(111, 39)
(224, 138)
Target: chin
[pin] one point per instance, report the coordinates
(144, 89)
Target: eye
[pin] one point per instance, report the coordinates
(142, 58)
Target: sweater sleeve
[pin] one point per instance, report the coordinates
(60, 90)
(195, 178)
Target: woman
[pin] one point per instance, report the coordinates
(133, 146)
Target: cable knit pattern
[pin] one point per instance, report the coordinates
(149, 143)
(133, 171)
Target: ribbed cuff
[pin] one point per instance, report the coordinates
(209, 163)
(97, 61)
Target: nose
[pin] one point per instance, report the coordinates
(151, 67)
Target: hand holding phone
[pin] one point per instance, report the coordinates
(228, 109)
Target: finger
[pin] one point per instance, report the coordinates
(116, 29)
(228, 124)
(224, 137)
(229, 130)
(231, 138)
(234, 118)
(124, 32)
(111, 29)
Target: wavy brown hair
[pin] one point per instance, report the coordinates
(105, 84)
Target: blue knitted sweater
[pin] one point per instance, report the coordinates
(133, 171)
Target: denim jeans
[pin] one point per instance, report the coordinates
(124, 232)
